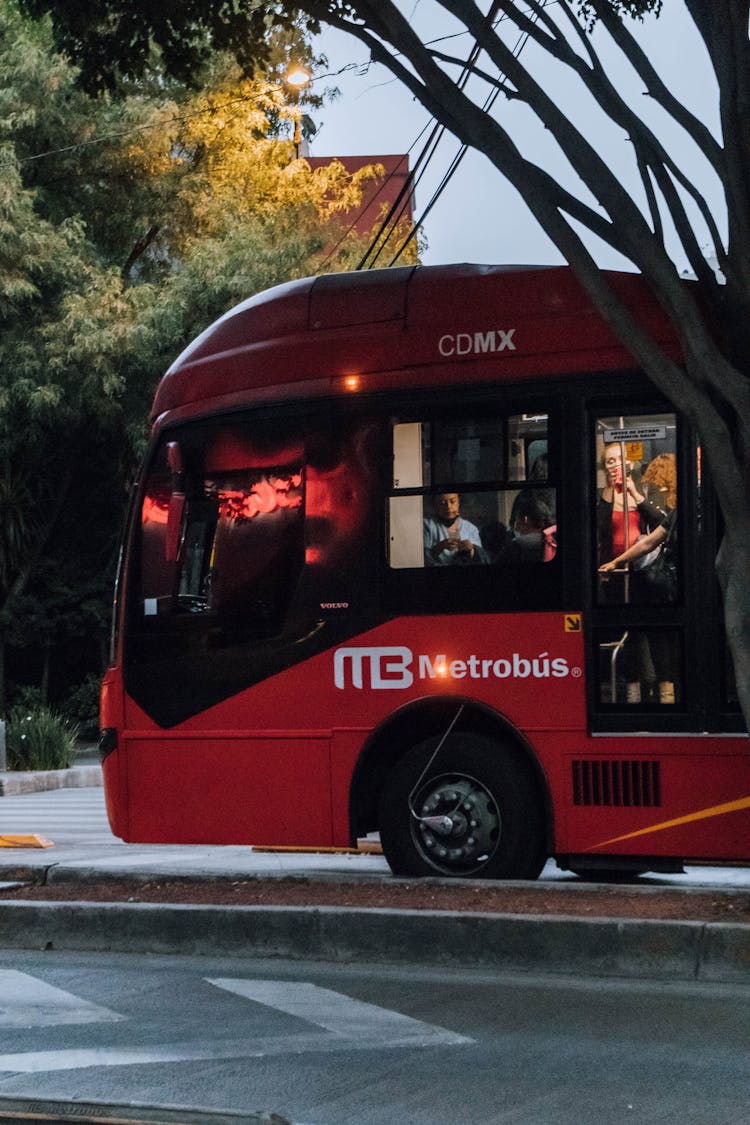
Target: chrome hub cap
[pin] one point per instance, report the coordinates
(457, 824)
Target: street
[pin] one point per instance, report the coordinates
(371, 1045)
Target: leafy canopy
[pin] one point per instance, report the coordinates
(130, 218)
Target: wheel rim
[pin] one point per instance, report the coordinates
(457, 826)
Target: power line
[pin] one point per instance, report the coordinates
(179, 119)
(397, 209)
(455, 163)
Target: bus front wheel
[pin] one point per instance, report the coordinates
(468, 812)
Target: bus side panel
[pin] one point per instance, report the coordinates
(111, 720)
(346, 746)
(233, 789)
(115, 793)
(655, 797)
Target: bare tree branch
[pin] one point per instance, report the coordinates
(648, 189)
(649, 150)
(628, 44)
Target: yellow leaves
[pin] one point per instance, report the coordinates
(337, 190)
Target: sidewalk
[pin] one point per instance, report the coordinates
(85, 851)
(85, 772)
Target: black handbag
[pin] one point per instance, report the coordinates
(657, 582)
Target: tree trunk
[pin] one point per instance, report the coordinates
(734, 580)
(44, 685)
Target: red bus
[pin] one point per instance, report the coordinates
(362, 594)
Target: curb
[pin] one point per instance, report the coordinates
(14, 783)
(19, 1111)
(676, 951)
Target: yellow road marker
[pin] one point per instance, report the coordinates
(32, 841)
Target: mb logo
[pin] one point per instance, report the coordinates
(383, 667)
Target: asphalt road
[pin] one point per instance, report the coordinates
(322, 1044)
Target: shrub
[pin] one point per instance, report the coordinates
(82, 707)
(39, 739)
(25, 697)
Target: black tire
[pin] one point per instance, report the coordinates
(497, 829)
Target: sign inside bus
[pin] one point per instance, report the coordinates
(396, 666)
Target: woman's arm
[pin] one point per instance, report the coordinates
(640, 548)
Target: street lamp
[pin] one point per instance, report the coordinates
(297, 77)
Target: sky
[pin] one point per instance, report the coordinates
(479, 217)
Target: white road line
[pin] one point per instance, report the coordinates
(40, 1062)
(342, 1024)
(36, 1062)
(28, 1002)
(345, 1017)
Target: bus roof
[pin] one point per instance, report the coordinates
(404, 327)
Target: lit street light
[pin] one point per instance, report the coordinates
(297, 77)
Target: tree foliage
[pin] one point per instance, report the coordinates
(129, 218)
(589, 204)
(123, 39)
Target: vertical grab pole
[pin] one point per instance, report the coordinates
(625, 513)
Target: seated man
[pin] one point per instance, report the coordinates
(448, 538)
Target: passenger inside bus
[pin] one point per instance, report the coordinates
(649, 657)
(539, 468)
(448, 538)
(639, 501)
(661, 473)
(532, 534)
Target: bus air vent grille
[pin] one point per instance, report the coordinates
(623, 784)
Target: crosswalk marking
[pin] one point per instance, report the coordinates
(42, 1062)
(341, 1023)
(36, 1062)
(340, 1014)
(26, 1001)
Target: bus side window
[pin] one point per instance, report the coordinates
(472, 519)
(504, 527)
(528, 447)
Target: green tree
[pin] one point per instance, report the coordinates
(129, 219)
(712, 383)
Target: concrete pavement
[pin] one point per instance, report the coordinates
(84, 849)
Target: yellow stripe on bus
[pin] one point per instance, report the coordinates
(702, 814)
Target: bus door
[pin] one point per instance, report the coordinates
(637, 568)
(659, 647)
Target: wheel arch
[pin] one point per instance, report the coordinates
(431, 717)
